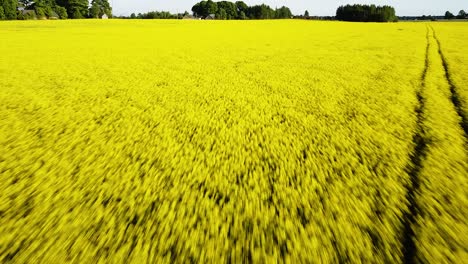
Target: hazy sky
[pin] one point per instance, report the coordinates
(315, 7)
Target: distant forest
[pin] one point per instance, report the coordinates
(238, 10)
(461, 15)
(207, 9)
(222, 10)
(366, 13)
(53, 9)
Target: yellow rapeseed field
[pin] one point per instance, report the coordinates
(129, 141)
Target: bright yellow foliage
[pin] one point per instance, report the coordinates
(443, 197)
(453, 39)
(207, 141)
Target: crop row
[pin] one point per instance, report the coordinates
(455, 58)
(441, 198)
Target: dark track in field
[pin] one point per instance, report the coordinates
(455, 97)
(408, 245)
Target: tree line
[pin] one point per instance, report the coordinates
(238, 10)
(461, 15)
(448, 15)
(154, 15)
(63, 9)
(366, 13)
(222, 10)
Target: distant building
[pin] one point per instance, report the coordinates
(105, 16)
(29, 14)
(188, 17)
(210, 17)
(54, 16)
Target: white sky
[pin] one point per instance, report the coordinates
(315, 7)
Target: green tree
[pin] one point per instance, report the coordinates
(9, 8)
(49, 11)
(211, 7)
(2, 14)
(197, 9)
(221, 14)
(40, 13)
(99, 8)
(306, 13)
(75, 8)
(283, 12)
(205, 8)
(449, 15)
(29, 16)
(261, 12)
(19, 15)
(230, 9)
(366, 13)
(238, 10)
(242, 15)
(461, 14)
(242, 7)
(61, 12)
(94, 10)
(133, 16)
(43, 8)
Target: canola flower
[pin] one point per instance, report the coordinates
(228, 141)
(442, 199)
(455, 58)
